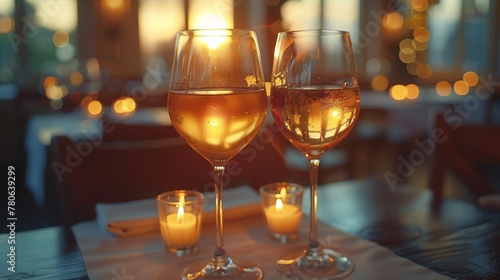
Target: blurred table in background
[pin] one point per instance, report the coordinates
(76, 124)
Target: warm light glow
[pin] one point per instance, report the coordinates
(471, 78)
(424, 71)
(398, 92)
(412, 91)
(94, 70)
(55, 16)
(380, 83)
(283, 192)
(421, 34)
(94, 108)
(268, 88)
(180, 213)
(114, 4)
(76, 78)
(443, 88)
(60, 39)
(393, 20)
(297, 15)
(159, 22)
(279, 205)
(407, 46)
(124, 105)
(461, 87)
(215, 38)
(420, 46)
(419, 5)
(210, 14)
(49, 81)
(56, 92)
(6, 25)
(407, 57)
(214, 130)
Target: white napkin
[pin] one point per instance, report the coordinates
(141, 216)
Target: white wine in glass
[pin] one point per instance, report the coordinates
(217, 102)
(315, 104)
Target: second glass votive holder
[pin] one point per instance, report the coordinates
(282, 208)
(180, 215)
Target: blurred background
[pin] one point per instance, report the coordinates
(66, 59)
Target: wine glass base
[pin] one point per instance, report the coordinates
(329, 265)
(240, 270)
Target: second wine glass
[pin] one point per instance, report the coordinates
(315, 103)
(217, 102)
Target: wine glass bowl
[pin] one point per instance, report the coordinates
(315, 104)
(217, 102)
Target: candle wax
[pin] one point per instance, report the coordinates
(183, 233)
(283, 221)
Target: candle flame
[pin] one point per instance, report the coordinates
(180, 211)
(180, 214)
(279, 205)
(283, 192)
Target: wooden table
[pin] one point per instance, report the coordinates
(459, 241)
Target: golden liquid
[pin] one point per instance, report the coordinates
(218, 124)
(314, 120)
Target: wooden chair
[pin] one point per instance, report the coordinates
(466, 149)
(88, 172)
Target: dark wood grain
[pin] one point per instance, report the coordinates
(48, 253)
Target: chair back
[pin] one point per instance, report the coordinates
(468, 150)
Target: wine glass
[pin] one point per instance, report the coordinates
(217, 102)
(315, 103)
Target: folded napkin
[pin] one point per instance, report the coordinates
(141, 216)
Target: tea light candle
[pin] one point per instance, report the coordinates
(180, 230)
(283, 218)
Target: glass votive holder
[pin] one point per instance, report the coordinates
(180, 213)
(282, 208)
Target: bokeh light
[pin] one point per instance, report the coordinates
(76, 78)
(471, 78)
(94, 107)
(419, 5)
(393, 20)
(49, 81)
(461, 87)
(412, 91)
(60, 38)
(424, 71)
(6, 25)
(124, 105)
(421, 34)
(443, 88)
(380, 83)
(398, 92)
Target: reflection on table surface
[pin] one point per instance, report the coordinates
(459, 240)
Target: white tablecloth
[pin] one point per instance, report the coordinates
(143, 257)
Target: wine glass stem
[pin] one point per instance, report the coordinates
(313, 222)
(220, 255)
